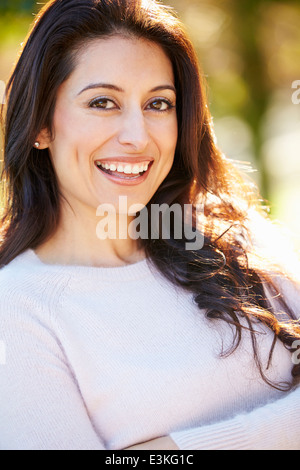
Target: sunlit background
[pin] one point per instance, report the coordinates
(250, 55)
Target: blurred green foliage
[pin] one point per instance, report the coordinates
(17, 5)
(250, 53)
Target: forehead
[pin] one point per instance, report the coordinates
(124, 59)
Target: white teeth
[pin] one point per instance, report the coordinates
(136, 170)
(127, 168)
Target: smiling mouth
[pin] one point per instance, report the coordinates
(125, 171)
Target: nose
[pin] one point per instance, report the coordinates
(133, 132)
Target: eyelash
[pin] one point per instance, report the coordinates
(162, 100)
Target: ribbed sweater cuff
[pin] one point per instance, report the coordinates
(271, 427)
(220, 436)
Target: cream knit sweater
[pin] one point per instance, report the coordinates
(104, 358)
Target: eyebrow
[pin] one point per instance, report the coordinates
(116, 88)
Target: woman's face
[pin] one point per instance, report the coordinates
(115, 124)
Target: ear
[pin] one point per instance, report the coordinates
(42, 140)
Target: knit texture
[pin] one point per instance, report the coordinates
(104, 358)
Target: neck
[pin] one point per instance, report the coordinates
(85, 240)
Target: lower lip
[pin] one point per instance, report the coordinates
(123, 181)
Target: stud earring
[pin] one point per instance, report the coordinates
(37, 145)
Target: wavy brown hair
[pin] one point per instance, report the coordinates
(226, 276)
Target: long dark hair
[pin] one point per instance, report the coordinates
(225, 276)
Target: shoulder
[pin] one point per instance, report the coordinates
(274, 242)
(289, 291)
(279, 259)
(28, 286)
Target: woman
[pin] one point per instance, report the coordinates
(121, 341)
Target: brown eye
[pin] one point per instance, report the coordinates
(160, 105)
(102, 103)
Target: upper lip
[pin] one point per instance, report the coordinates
(130, 160)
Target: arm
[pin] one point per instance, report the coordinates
(160, 443)
(41, 407)
(275, 426)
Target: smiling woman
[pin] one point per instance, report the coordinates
(124, 342)
(130, 126)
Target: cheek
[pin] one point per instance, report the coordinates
(69, 128)
(167, 136)
(74, 137)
